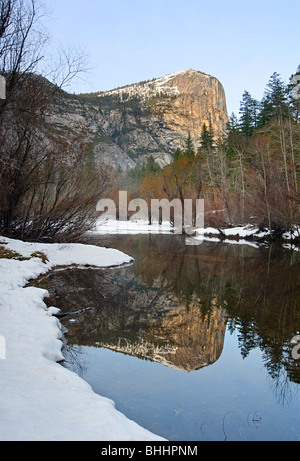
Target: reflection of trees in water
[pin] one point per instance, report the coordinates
(260, 289)
(266, 314)
(281, 381)
(74, 359)
(175, 267)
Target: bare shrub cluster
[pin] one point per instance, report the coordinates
(49, 187)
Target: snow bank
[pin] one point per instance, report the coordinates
(244, 235)
(113, 226)
(39, 399)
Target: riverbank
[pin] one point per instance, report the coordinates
(40, 400)
(250, 234)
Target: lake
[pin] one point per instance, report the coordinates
(194, 343)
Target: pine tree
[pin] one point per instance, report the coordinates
(177, 153)
(232, 125)
(151, 166)
(207, 137)
(189, 147)
(248, 114)
(274, 102)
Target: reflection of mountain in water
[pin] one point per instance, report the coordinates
(181, 339)
(130, 317)
(198, 340)
(174, 303)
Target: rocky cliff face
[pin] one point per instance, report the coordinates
(82, 119)
(128, 124)
(155, 117)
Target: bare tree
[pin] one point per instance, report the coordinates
(48, 187)
(21, 43)
(48, 184)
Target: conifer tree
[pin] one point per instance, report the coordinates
(177, 153)
(248, 114)
(274, 102)
(232, 125)
(207, 137)
(151, 166)
(189, 147)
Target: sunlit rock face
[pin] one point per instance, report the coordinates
(126, 125)
(199, 99)
(155, 117)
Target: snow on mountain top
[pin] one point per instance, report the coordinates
(167, 78)
(149, 88)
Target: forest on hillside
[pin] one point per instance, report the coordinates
(252, 175)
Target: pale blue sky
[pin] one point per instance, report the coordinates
(240, 42)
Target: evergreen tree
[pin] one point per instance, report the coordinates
(151, 166)
(207, 137)
(189, 147)
(248, 114)
(232, 125)
(274, 102)
(177, 153)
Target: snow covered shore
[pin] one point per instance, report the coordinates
(250, 234)
(39, 399)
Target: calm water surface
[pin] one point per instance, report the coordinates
(192, 342)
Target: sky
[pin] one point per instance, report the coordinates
(242, 43)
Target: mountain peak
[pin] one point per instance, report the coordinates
(128, 124)
(169, 85)
(190, 70)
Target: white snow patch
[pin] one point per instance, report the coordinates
(148, 89)
(113, 226)
(39, 399)
(235, 235)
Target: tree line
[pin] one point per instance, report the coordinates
(251, 175)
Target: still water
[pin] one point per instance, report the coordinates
(192, 342)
